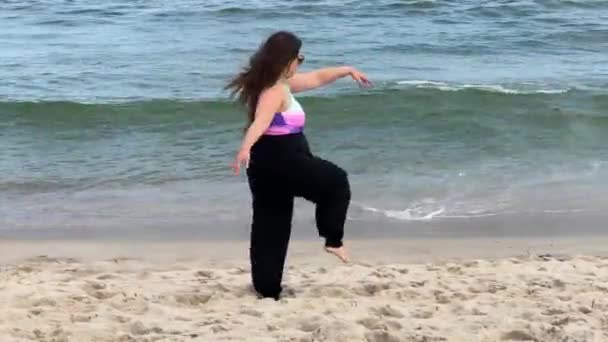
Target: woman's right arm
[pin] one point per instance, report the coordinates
(268, 104)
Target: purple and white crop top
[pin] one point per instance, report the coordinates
(290, 121)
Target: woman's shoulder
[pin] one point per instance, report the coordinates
(275, 93)
(277, 89)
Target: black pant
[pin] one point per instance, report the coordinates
(281, 168)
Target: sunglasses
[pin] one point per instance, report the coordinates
(300, 58)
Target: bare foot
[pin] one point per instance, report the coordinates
(340, 252)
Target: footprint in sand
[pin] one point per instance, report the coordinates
(585, 310)
(553, 312)
(565, 320)
(26, 301)
(518, 335)
(192, 299)
(335, 331)
(152, 330)
(418, 284)
(478, 312)
(244, 291)
(56, 335)
(130, 305)
(494, 287)
(126, 338)
(219, 289)
(383, 273)
(426, 338)
(98, 290)
(107, 277)
(432, 268)
(209, 321)
(373, 323)
(388, 311)
(25, 269)
(44, 302)
(471, 264)
(122, 260)
(330, 291)
(461, 296)
(216, 329)
(559, 284)
(540, 283)
(138, 328)
(251, 312)
(476, 289)
(440, 297)
(458, 309)
(80, 318)
(121, 319)
(422, 314)
(80, 299)
(36, 312)
(272, 327)
(455, 270)
(43, 259)
(310, 324)
(80, 273)
(238, 271)
(381, 336)
(204, 274)
(370, 290)
(403, 270)
(405, 295)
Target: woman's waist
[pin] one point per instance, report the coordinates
(281, 144)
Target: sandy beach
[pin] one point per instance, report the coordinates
(476, 156)
(426, 290)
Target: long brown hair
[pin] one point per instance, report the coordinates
(264, 70)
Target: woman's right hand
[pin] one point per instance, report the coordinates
(242, 158)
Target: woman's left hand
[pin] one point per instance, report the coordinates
(242, 158)
(360, 78)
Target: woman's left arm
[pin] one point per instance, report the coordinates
(318, 78)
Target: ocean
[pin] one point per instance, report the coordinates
(488, 118)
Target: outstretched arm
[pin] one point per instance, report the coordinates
(318, 78)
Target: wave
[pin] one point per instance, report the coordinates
(581, 4)
(234, 10)
(415, 4)
(420, 214)
(417, 98)
(490, 9)
(410, 214)
(493, 88)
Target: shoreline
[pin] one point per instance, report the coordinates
(585, 225)
(372, 250)
(365, 250)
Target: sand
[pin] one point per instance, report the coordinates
(392, 291)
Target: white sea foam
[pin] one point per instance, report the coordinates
(493, 88)
(414, 213)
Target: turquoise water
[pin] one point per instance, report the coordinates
(113, 118)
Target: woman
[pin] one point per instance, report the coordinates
(279, 163)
